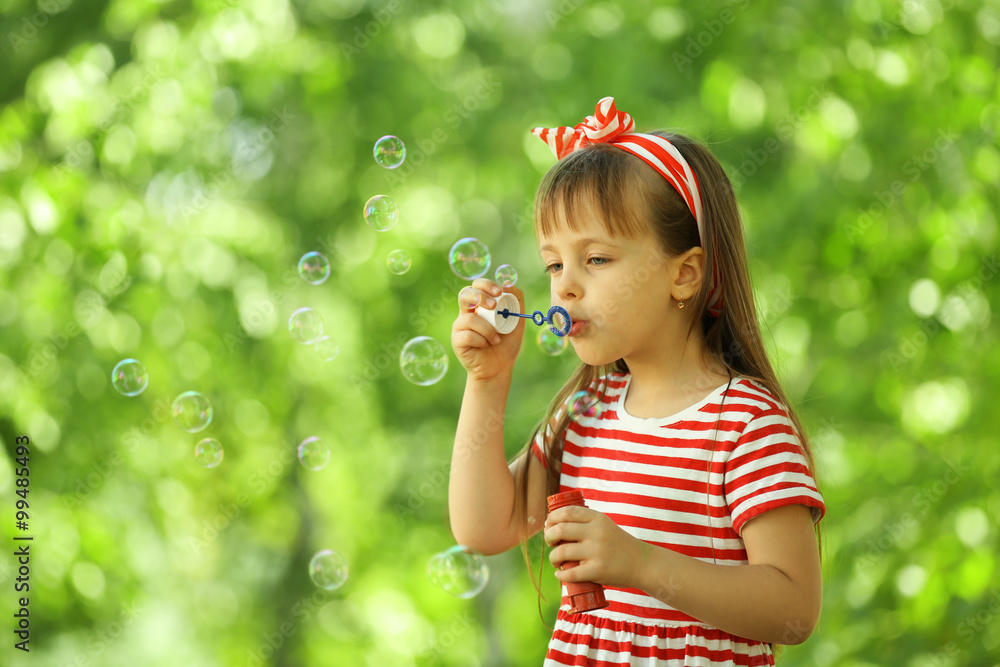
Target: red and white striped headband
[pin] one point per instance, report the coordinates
(610, 126)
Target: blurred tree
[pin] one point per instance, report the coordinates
(165, 164)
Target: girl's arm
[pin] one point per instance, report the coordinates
(481, 491)
(775, 598)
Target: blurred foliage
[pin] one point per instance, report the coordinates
(165, 164)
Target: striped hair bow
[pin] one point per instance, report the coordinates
(610, 126)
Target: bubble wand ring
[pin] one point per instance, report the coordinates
(557, 318)
(501, 317)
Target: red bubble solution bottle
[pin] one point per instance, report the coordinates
(585, 595)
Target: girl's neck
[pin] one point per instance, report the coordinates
(664, 385)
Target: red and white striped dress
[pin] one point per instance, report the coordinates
(651, 477)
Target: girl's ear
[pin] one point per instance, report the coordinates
(689, 269)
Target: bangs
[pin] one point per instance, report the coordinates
(598, 180)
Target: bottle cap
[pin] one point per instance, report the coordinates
(587, 601)
(502, 324)
(557, 500)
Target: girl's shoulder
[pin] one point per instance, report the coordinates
(753, 392)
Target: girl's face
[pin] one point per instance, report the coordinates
(617, 291)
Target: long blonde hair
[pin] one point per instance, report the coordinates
(633, 200)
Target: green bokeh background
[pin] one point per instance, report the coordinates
(163, 165)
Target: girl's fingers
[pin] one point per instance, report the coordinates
(569, 551)
(467, 339)
(474, 323)
(564, 531)
(487, 286)
(470, 298)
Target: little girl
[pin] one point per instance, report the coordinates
(698, 478)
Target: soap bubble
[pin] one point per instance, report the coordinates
(459, 571)
(381, 213)
(389, 152)
(129, 377)
(551, 343)
(398, 262)
(314, 268)
(423, 361)
(327, 348)
(328, 570)
(305, 325)
(506, 275)
(208, 452)
(314, 454)
(585, 404)
(469, 258)
(192, 412)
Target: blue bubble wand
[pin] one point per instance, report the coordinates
(557, 318)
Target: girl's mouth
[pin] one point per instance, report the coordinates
(577, 328)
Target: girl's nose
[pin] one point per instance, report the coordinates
(567, 286)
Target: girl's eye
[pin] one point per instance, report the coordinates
(551, 268)
(599, 261)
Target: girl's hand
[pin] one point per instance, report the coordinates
(484, 353)
(607, 554)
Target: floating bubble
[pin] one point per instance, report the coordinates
(506, 275)
(305, 325)
(208, 452)
(398, 262)
(459, 571)
(129, 377)
(328, 570)
(314, 453)
(469, 258)
(381, 213)
(585, 404)
(423, 361)
(314, 268)
(389, 151)
(551, 343)
(192, 412)
(327, 348)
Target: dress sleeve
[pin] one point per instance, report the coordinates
(767, 469)
(538, 447)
